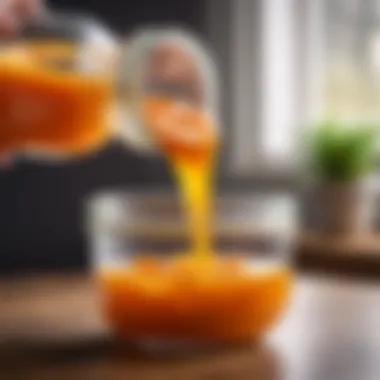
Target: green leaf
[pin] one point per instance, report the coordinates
(338, 152)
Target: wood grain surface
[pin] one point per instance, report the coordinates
(357, 255)
(365, 244)
(50, 329)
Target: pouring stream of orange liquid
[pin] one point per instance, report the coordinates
(188, 138)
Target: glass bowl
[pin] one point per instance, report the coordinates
(151, 290)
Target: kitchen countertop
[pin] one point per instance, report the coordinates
(50, 329)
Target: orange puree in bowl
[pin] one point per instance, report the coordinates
(193, 299)
(45, 104)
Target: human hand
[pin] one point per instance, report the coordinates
(13, 13)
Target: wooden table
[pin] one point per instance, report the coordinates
(49, 329)
(356, 255)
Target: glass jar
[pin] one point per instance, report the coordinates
(151, 290)
(57, 91)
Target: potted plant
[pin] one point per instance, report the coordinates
(341, 159)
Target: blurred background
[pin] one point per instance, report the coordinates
(283, 65)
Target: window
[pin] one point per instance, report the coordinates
(278, 77)
(351, 33)
(292, 62)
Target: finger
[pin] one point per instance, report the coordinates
(8, 23)
(26, 10)
(8, 19)
(29, 8)
(14, 13)
(6, 6)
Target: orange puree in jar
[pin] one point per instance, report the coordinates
(199, 295)
(46, 104)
